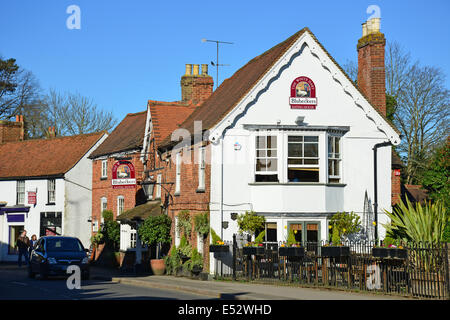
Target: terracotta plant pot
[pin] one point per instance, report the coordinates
(158, 267)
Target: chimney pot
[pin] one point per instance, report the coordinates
(188, 69)
(204, 69)
(195, 70)
(364, 29)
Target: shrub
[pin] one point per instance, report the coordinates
(291, 238)
(260, 238)
(184, 248)
(345, 223)
(215, 238)
(111, 230)
(196, 260)
(250, 222)
(156, 230)
(172, 261)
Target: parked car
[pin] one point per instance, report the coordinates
(52, 255)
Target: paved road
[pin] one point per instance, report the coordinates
(14, 284)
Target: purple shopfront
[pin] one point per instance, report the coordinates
(12, 222)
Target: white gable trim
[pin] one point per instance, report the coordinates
(263, 84)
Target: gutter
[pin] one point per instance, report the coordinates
(375, 180)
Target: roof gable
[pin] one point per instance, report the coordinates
(44, 157)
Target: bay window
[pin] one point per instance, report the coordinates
(303, 158)
(266, 159)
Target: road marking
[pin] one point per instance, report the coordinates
(19, 283)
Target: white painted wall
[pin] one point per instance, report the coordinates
(78, 205)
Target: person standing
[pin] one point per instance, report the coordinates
(23, 243)
(33, 241)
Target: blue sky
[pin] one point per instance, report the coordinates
(127, 52)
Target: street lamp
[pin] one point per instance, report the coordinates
(217, 59)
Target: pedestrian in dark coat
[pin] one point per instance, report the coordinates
(23, 243)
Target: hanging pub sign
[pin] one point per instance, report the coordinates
(303, 94)
(123, 175)
(31, 197)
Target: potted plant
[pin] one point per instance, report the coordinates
(195, 263)
(217, 244)
(291, 248)
(342, 225)
(184, 249)
(256, 247)
(249, 223)
(156, 230)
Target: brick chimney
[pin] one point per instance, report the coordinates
(11, 131)
(371, 69)
(196, 86)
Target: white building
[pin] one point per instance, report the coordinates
(291, 138)
(46, 189)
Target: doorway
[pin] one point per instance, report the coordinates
(307, 233)
(14, 234)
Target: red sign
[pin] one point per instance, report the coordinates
(123, 175)
(396, 172)
(31, 197)
(303, 94)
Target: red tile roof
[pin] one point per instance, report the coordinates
(167, 116)
(44, 157)
(128, 135)
(233, 89)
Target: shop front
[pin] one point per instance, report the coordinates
(13, 220)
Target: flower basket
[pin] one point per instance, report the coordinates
(253, 251)
(218, 248)
(392, 253)
(291, 251)
(335, 251)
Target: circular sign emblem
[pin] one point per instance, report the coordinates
(123, 175)
(303, 94)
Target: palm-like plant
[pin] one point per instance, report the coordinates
(424, 224)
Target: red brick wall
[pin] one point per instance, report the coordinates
(189, 198)
(371, 70)
(197, 88)
(103, 188)
(395, 188)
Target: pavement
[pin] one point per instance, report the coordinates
(234, 290)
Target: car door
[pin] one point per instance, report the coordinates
(37, 255)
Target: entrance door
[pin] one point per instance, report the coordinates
(14, 234)
(307, 233)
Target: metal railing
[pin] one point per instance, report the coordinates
(419, 269)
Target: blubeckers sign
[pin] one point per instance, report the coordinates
(303, 94)
(123, 175)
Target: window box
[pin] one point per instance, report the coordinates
(291, 251)
(393, 253)
(216, 248)
(253, 251)
(335, 251)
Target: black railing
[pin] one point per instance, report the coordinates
(416, 269)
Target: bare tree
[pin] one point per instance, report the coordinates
(422, 116)
(73, 114)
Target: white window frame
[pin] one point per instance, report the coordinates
(103, 206)
(266, 157)
(104, 170)
(201, 168)
(120, 204)
(177, 233)
(20, 192)
(177, 173)
(133, 238)
(303, 158)
(158, 185)
(334, 156)
(200, 241)
(51, 191)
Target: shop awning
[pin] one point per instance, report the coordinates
(141, 212)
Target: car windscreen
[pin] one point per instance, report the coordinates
(64, 244)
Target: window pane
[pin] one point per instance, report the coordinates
(330, 167)
(295, 150)
(311, 150)
(295, 161)
(272, 153)
(261, 165)
(271, 142)
(261, 153)
(311, 139)
(336, 146)
(272, 165)
(295, 138)
(260, 142)
(303, 175)
(311, 161)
